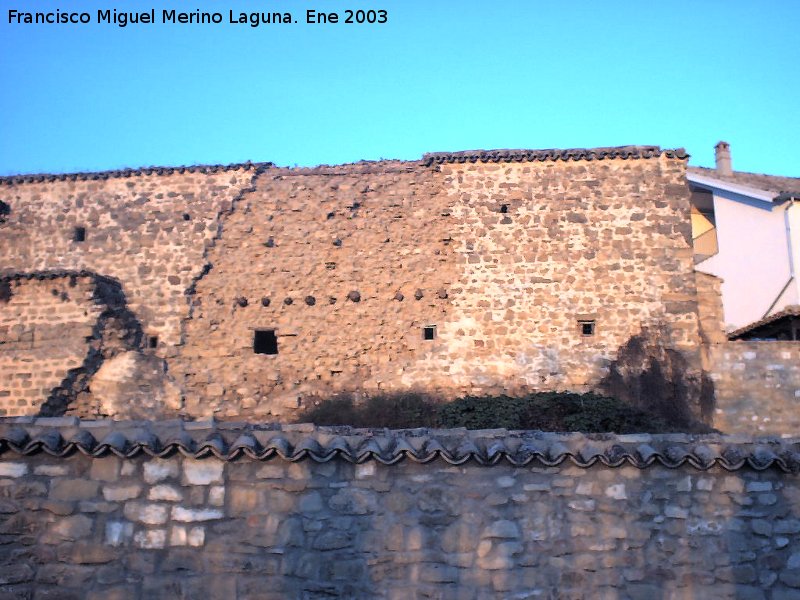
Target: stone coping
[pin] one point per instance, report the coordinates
(64, 436)
(486, 156)
(428, 159)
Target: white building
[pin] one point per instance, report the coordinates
(746, 230)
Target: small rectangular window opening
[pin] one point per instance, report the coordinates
(429, 332)
(504, 208)
(79, 235)
(152, 341)
(587, 328)
(265, 342)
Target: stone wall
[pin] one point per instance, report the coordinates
(503, 261)
(148, 230)
(45, 325)
(561, 526)
(757, 385)
(529, 271)
(709, 304)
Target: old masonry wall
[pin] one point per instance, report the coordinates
(542, 271)
(260, 512)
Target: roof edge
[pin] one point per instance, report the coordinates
(792, 310)
(574, 154)
(135, 172)
(736, 188)
(64, 436)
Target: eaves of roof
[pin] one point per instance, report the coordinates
(778, 188)
(790, 311)
(742, 190)
(62, 437)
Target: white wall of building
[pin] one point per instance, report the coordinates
(753, 259)
(793, 222)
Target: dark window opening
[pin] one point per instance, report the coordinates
(79, 235)
(265, 342)
(5, 210)
(504, 208)
(429, 332)
(152, 341)
(587, 327)
(187, 217)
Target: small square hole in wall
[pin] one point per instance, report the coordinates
(504, 208)
(265, 342)
(152, 342)
(429, 332)
(586, 327)
(79, 234)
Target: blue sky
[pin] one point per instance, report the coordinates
(437, 76)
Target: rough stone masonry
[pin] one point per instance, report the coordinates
(101, 510)
(248, 289)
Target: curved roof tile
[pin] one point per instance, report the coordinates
(100, 175)
(489, 156)
(62, 437)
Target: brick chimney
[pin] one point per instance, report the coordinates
(723, 157)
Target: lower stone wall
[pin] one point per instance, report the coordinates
(757, 386)
(74, 526)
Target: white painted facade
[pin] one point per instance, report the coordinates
(758, 240)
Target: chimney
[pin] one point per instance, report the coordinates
(723, 157)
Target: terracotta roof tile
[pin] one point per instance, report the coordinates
(790, 311)
(770, 183)
(87, 176)
(63, 436)
(486, 156)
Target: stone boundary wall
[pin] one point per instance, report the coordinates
(757, 386)
(89, 510)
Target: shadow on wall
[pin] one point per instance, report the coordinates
(113, 365)
(651, 377)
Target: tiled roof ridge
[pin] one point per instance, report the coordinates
(554, 154)
(133, 172)
(63, 436)
(793, 310)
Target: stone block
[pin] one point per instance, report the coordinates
(86, 553)
(216, 495)
(203, 472)
(188, 515)
(149, 514)
(73, 489)
(165, 493)
(120, 493)
(150, 539)
(68, 529)
(353, 502)
(105, 469)
(502, 529)
(118, 533)
(156, 470)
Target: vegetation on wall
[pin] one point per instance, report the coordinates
(546, 411)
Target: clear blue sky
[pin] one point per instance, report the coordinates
(440, 75)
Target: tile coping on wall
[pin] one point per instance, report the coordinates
(520, 155)
(98, 175)
(63, 436)
(486, 156)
